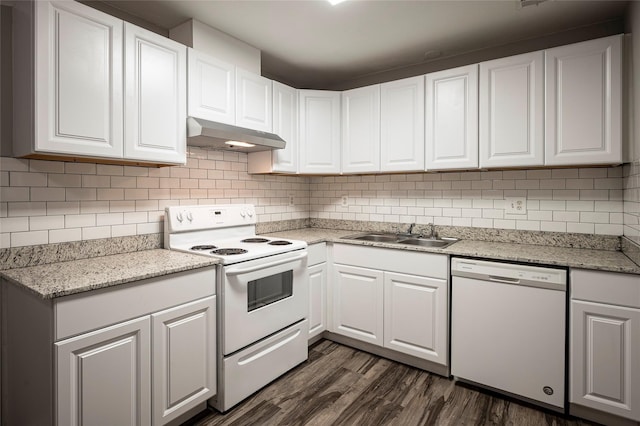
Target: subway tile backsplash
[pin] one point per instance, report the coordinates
(54, 202)
(44, 202)
(586, 200)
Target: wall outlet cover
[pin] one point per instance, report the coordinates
(515, 205)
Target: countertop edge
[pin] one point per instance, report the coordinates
(336, 236)
(196, 262)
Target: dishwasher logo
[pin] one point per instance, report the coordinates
(548, 390)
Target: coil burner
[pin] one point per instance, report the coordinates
(280, 243)
(203, 247)
(254, 240)
(229, 251)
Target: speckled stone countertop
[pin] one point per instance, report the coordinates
(64, 278)
(602, 260)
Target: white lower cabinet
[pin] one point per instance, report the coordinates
(317, 299)
(358, 305)
(184, 358)
(104, 376)
(317, 261)
(142, 353)
(415, 316)
(392, 298)
(605, 343)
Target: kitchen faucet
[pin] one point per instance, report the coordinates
(410, 231)
(432, 230)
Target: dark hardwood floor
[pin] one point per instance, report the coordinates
(343, 386)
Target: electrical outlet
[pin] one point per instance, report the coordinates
(291, 200)
(344, 201)
(515, 205)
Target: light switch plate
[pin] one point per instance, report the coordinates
(515, 205)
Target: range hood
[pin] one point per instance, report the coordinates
(216, 135)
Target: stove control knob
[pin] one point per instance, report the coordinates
(180, 217)
(243, 213)
(190, 216)
(250, 213)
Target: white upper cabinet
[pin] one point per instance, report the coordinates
(253, 101)
(511, 111)
(156, 91)
(319, 132)
(361, 130)
(583, 103)
(77, 56)
(103, 89)
(212, 85)
(285, 125)
(402, 125)
(452, 119)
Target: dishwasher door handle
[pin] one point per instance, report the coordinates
(505, 280)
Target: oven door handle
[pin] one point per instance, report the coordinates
(238, 271)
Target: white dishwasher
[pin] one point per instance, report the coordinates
(508, 328)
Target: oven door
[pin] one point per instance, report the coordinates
(261, 297)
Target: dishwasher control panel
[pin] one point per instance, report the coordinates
(509, 273)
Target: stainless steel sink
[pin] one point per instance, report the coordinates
(380, 238)
(426, 242)
(403, 239)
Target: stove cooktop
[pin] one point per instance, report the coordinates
(223, 231)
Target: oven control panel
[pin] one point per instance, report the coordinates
(193, 218)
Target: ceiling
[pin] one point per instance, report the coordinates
(311, 44)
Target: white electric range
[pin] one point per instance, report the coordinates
(262, 289)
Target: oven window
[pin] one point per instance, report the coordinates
(263, 291)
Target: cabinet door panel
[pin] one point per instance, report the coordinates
(212, 85)
(184, 350)
(155, 106)
(452, 119)
(79, 75)
(319, 131)
(605, 346)
(103, 376)
(317, 299)
(285, 125)
(358, 304)
(361, 130)
(583, 103)
(415, 316)
(253, 101)
(402, 125)
(511, 111)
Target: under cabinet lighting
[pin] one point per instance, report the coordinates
(334, 2)
(238, 143)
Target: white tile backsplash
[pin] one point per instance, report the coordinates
(96, 201)
(558, 200)
(91, 201)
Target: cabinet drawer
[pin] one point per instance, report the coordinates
(317, 254)
(87, 311)
(606, 287)
(406, 262)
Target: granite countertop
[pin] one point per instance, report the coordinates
(64, 278)
(601, 260)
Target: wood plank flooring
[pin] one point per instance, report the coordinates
(339, 385)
